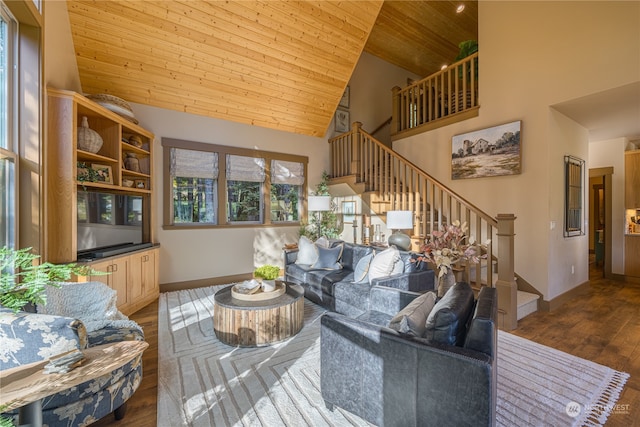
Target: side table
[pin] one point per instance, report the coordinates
(25, 386)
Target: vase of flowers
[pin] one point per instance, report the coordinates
(447, 247)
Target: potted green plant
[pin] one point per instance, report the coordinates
(23, 282)
(267, 275)
(329, 224)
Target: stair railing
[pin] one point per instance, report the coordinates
(426, 103)
(400, 185)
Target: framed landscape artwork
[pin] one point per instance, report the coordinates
(487, 152)
(348, 212)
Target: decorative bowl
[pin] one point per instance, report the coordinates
(127, 183)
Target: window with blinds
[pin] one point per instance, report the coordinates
(212, 185)
(194, 177)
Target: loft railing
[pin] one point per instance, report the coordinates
(400, 185)
(439, 99)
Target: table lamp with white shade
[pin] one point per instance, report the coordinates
(317, 205)
(400, 220)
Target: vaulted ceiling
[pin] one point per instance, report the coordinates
(276, 64)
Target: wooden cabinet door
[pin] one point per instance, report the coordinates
(631, 249)
(116, 279)
(632, 180)
(136, 284)
(149, 273)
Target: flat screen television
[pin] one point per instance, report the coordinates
(109, 224)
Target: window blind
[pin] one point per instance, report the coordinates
(284, 172)
(242, 168)
(193, 164)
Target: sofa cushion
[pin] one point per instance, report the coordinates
(361, 272)
(413, 318)
(307, 251)
(481, 333)
(447, 321)
(328, 258)
(325, 280)
(383, 263)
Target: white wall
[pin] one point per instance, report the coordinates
(604, 154)
(534, 55)
(61, 68)
(370, 85)
(197, 254)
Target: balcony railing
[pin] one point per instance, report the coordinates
(442, 98)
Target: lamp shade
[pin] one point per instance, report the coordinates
(319, 203)
(399, 220)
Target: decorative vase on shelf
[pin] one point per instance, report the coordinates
(88, 139)
(132, 163)
(445, 282)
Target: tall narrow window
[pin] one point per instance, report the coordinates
(194, 177)
(286, 187)
(8, 140)
(245, 176)
(574, 200)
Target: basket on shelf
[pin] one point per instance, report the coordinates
(88, 139)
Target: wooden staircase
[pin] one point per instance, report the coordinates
(387, 181)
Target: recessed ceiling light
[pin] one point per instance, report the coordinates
(444, 66)
(460, 8)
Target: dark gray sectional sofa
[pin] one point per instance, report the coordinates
(335, 289)
(395, 379)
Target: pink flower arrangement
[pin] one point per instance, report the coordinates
(448, 246)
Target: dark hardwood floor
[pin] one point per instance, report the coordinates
(603, 326)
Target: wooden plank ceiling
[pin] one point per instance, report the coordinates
(276, 64)
(422, 36)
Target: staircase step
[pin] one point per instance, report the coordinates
(527, 303)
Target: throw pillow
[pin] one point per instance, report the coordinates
(328, 258)
(323, 242)
(447, 321)
(413, 318)
(382, 264)
(361, 273)
(93, 303)
(307, 251)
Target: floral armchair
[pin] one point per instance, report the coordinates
(31, 337)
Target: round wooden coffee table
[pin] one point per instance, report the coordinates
(257, 323)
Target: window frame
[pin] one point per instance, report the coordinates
(10, 153)
(223, 150)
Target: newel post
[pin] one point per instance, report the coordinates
(506, 285)
(354, 167)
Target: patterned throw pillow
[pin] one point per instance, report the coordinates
(413, 318)
(328, 258)
(307, 251)
(382, 264)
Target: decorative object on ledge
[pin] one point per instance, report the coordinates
(131, 162)
(487, 152)
(135, 140)
(400, 220)
(88, 139)
(103, 173)
(115, 104)
(141, 184)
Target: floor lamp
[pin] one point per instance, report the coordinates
(400, 220)
(317, 205)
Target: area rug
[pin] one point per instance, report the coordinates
(203, 382)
